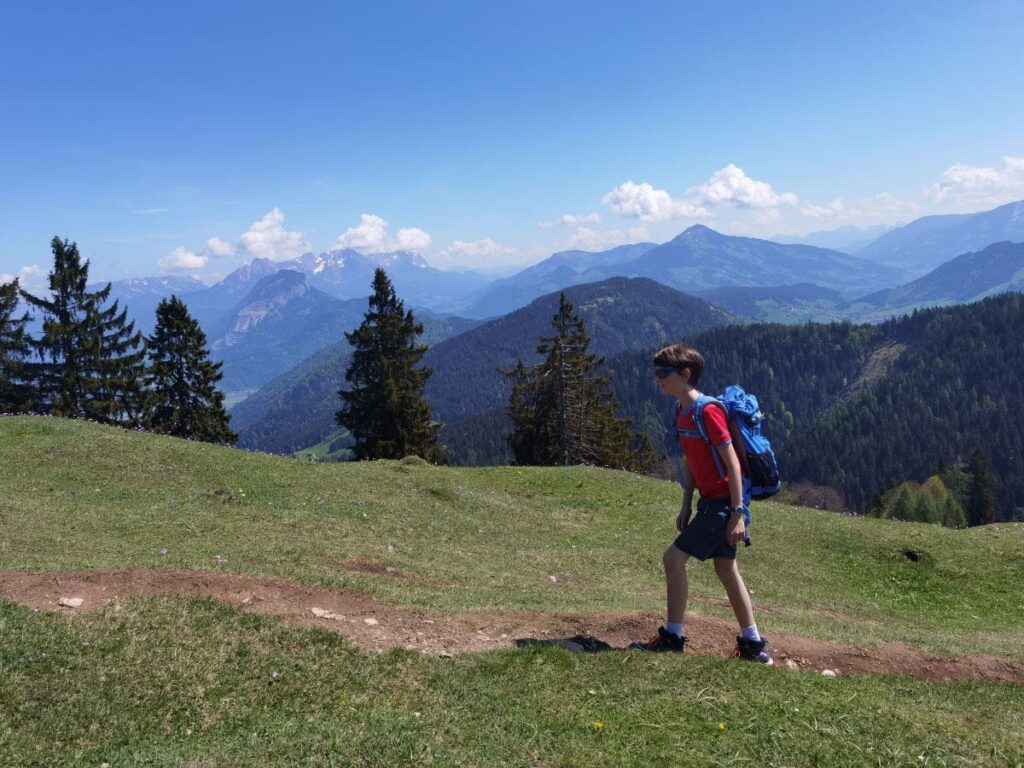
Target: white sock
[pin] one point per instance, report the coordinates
(675, 629)
(750, 633)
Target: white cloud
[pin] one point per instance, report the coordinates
(149, 211)
(732, 185)
(217, 247)
(268, 239)
(571, 219)
(370, 235)
(836, 208)
(588, 239)
(31, 278)
(883, 207)
(980, 183)
(181, 259)
(412, 239)
(639, 233)
(644, 202)
(475, 249)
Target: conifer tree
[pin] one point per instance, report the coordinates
(984, 505)
(384, 408)
(563, 411)
(91, 360)
(15, 348)
(181, 380)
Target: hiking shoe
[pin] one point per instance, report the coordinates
(753, 650)
(663, 642)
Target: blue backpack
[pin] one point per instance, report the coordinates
(744, 416)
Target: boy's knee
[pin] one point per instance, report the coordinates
(725, 567)
(674, 559)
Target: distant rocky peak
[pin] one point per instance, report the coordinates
(699, 232)
(268, 298)
(254, 270)
(385, 260)
(282, 280)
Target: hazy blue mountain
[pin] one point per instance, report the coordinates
(848, 238)
(924, 244)
(999, 268)
(343, 274)
(212, 306)
(279, 323)
(701, 259)
(781, 304)
(620, 314)
(348, 274)
(698, 259)
(296, 409)
(556, 272)
(141, 295)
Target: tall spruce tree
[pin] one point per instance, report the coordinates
(563, 411)
(181, 380)
(15, 349)
(91, 359)
(384, 407)
(984, 503)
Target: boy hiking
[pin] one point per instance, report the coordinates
(720, 523)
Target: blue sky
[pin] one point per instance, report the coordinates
(190, 137)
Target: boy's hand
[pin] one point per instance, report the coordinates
(683, 518)
(734, 528)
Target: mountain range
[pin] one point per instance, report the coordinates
(266, 316)
(998, 268)
(847, 238)
(924, 244)
(278, 324)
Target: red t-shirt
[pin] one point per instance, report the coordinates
(698, 453)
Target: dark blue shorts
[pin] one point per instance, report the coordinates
(704, 536)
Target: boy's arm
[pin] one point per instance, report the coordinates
(686, 510)
(734, 529)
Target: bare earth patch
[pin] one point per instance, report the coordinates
(375, 626)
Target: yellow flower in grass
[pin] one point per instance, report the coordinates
(720, 726)
(598, 725)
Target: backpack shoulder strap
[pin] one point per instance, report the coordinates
(698, 416)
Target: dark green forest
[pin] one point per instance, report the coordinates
(854, 407)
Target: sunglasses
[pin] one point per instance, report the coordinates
(664, 373)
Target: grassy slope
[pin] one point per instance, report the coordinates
(80, 496)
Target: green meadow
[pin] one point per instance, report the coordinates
(191, 682)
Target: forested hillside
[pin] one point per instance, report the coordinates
(850, 406)
(620, 314)
(296, 410)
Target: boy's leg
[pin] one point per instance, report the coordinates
(739, 598)
(677, 587)
(671, 637)
(749, 645)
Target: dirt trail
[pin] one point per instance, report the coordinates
(375, 626)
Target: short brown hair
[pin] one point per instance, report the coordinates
(681, 356)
